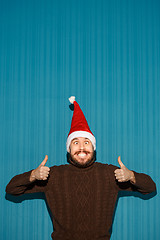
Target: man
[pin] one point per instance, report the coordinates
(82, 194)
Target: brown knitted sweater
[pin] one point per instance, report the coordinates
(81, 200)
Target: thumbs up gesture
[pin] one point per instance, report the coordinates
(41, 172)
(124, 174)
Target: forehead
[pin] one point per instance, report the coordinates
(80, 139)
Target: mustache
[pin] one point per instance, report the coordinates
(82, 151)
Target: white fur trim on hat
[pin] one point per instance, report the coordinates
(80, 134)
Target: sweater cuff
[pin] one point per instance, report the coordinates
(25, 178)
(138, 178)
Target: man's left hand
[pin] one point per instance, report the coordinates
(124, 174)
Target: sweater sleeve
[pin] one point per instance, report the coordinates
(21, 184)
(144, 183)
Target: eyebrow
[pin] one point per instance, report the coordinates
(77, 139)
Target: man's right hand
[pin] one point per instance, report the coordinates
(41, 172)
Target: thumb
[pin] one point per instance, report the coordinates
(120, 162)
(44, 161)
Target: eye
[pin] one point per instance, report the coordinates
(76, 142)
(86, 142)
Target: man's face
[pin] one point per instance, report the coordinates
(81, 150)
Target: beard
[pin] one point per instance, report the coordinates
(71, 159)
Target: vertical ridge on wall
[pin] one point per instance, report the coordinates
(107, 54)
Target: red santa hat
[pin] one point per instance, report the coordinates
(79, 126)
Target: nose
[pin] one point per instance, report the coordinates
(81, 146)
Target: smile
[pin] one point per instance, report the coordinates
(82, 155)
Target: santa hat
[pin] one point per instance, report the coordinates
(79, 126)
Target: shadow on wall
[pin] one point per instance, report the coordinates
(28, 196)
(19, 199)
(131, 194)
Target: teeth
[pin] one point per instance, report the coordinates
(82, 154)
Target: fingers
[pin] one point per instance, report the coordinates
(119, 175)
(43, 172)
(44, 161)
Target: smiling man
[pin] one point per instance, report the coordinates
(81, 195)
(81, 151)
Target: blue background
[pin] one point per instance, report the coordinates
(107, 54)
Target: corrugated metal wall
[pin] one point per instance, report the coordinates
(107, 54)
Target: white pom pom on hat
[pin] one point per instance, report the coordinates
(72, 99)
(79, 126)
